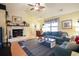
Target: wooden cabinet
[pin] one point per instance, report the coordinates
(38, 33)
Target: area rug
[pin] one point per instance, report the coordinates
(34, 48)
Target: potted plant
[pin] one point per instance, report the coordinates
(8, 22)
(24, 23)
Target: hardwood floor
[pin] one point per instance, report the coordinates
(17, 50)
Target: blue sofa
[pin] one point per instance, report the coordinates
(56, 35)
(60, 40)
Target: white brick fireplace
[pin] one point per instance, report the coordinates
(10, 33)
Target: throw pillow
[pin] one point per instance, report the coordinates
(77, 39)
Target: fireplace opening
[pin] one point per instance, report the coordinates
(17, 32)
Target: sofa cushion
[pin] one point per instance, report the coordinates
(64, 45)
(58, 34)
(62, 52)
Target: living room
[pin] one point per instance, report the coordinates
(22, 22)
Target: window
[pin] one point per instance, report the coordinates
(51, 26)
(54, 26)
(46, 27)
(77, 28)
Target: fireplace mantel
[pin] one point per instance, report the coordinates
(10, 28)
(15, 27)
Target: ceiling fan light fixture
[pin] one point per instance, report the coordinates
(36, 7)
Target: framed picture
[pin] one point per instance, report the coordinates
(67, 24)
(16, 18)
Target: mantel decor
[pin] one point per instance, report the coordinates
(67, 24)
(8, 22)
(17, 21)
(25, 23)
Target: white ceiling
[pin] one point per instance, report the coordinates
(51, 9)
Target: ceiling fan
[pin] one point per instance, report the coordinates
(36, 6)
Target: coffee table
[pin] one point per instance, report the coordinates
(52, 42)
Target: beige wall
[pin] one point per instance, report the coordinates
(74, 16)
(3, 24)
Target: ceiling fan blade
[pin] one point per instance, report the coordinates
(32, 9)
(30, 4)
(41, 7)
